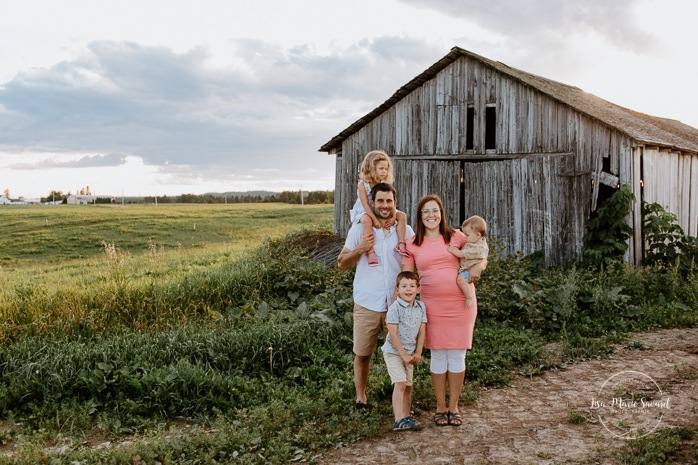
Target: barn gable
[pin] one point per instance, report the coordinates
(532, 156)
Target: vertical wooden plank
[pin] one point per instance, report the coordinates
(516, 225)
(479, 109)
(635, 180)
(692, 229)
(650, 173)
(683, 194)
(462, 96)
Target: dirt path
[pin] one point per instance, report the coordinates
(529, 422)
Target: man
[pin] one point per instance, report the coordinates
(374, 287)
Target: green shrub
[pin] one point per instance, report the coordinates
(606, 239)
(662, 446)
(186, 372)
(666, 244)
(498, 349)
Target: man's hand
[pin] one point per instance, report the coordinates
(367, 242)
(349, 258)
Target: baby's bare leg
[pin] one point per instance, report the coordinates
(465, 289)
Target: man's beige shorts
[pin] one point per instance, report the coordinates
(397, 369)
(367, 326)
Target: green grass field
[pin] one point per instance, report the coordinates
(205, 334)
(99, 268)
(55, 234)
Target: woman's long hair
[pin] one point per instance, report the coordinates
(419, 228)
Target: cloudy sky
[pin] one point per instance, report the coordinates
(144, 97)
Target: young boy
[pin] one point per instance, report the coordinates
(406, 320)
(473, 252)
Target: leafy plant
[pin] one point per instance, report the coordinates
(662, 446)
(575, 417)
(666, 244)
(606, 239)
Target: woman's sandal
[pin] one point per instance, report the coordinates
(454, 419)
(441, 419)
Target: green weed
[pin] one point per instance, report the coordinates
(666, 445)
(576, 418)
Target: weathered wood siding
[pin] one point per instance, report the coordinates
(670, 179)
(537, 187)
(531, 203)
(420, 177)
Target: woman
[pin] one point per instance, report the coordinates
(449, 324)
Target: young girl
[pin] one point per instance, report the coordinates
(375, 168)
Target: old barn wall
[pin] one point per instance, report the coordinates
(535, 187)
(670, 178)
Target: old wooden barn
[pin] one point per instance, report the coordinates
(533, 156)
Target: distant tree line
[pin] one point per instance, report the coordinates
(292, 197)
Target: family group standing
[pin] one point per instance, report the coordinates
(436, 261)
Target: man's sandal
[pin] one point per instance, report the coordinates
(454, 419)
(441, 419)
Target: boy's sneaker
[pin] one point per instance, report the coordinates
(407, 423)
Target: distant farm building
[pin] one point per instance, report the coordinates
(73, 199)
(533, 156)
(4, 200)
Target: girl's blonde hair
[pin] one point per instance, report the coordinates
(368, 167)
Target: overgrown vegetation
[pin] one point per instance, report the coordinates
(606, 239)
(247, 358)
(666, 445)
(667, 244)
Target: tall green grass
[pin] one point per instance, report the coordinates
(42, 236)
(583, 301)
(142, 284)
(254, 348)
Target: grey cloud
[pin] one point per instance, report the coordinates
(88, 161)
(175, 108)
(527, 20)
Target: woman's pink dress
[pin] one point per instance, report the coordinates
(449, 324)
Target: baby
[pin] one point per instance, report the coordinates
(474, 251)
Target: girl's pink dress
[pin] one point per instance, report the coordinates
(449, 324)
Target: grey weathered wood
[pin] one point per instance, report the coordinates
(538, 187)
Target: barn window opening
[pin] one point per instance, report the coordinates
(470, 129)
(490, 124)
(605, 193)
(606, 164)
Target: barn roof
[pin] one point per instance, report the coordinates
(644, 128)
